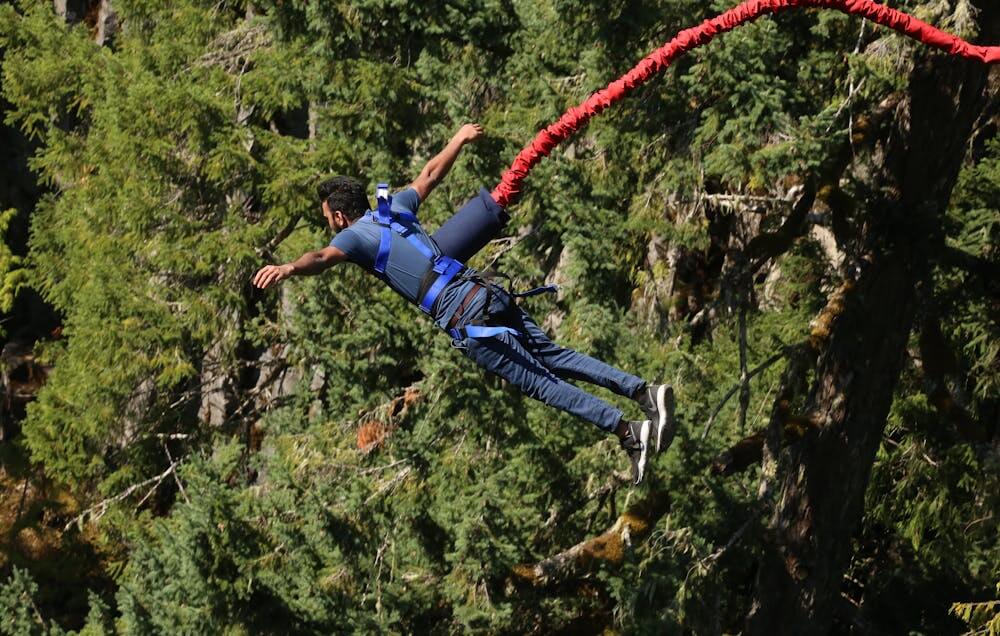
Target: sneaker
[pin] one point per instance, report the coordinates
(657, 402)
(635, 445)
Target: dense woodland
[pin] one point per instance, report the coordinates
(797, 226)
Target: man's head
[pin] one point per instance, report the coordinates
(343, 200)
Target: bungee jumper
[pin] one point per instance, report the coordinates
(482, 317)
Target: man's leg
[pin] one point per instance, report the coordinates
(505, 356)
(656, 400)
(567, 363)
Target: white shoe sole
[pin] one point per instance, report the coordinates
(643, 456)
(665, 409)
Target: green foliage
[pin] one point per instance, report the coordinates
(983, 618)
(176, 156)
(13, 275)
(19, 615)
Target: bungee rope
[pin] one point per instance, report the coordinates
(509, 188)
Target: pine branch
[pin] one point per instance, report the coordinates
(750, 450)
(769, 245)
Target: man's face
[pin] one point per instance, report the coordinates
(336, 219)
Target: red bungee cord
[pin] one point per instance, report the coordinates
(575, 118)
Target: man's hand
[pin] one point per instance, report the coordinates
(440, 164)
(469, 132)
(271, 274)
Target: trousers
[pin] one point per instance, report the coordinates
(539, 367)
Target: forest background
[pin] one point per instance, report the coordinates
(796, 226)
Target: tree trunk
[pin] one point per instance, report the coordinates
(820, 483)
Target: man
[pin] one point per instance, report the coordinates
(481, 316)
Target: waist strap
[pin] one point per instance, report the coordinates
(446, 269)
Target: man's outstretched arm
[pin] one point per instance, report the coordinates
(438, 167)
(309, 264)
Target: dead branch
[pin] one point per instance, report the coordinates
(229, 49)
(508, 243)
(390, 484)
(768, 245)
(97, 511)
(177, 479)
(266, 251)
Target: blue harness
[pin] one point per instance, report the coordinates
(444, 267)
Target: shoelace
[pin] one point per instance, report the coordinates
(630, 443)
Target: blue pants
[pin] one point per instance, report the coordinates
(540, 367)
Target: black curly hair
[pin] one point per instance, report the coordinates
(346, 194)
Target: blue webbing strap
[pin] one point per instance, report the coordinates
(447, 268)
(480, 331)
(383, 216)
(408, 234)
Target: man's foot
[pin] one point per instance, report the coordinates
(636, 443)
(657, 402)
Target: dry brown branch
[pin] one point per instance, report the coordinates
(768, 245)
(390, 484)
(507, 243)
(177, 479)
(266, 251)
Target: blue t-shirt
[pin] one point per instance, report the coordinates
(406, 266)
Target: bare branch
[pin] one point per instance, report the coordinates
(98, 510)
(744, 375)
(508, 243)
(177, 479)
(736, 387)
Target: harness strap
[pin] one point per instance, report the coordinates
(480, 331)
(384, 218)
(544, 289)
(445, 267)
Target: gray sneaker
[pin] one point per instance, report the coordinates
(636, 444)
(657, 402)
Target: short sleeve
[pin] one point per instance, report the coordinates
(347, 242)
(406, 201)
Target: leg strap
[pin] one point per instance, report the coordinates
(481, 331)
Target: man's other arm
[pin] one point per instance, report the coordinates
(438, 167)
(309, 264)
